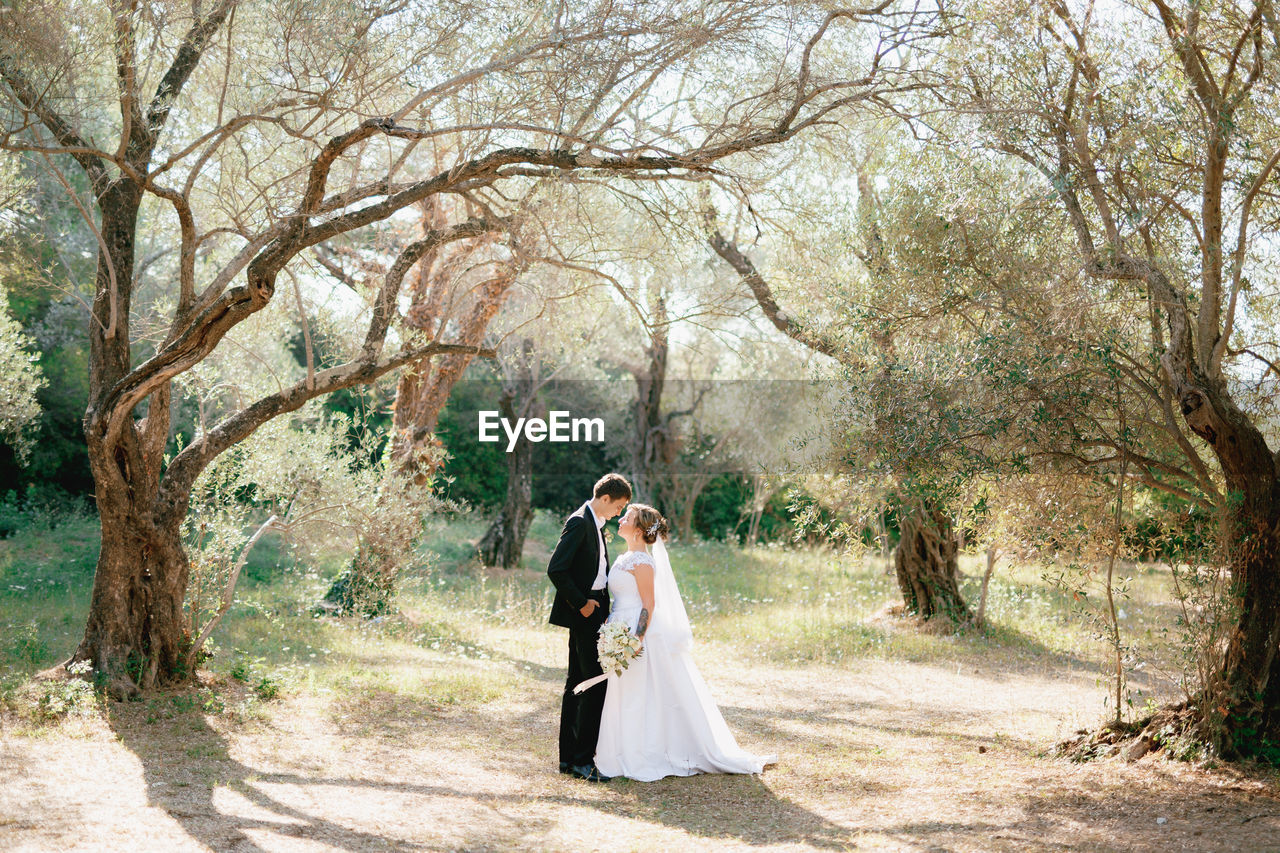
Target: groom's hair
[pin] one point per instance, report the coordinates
(612, 486)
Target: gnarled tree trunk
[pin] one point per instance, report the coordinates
(503, 543)
(137, 633)
(1247, 702)
(926, 565)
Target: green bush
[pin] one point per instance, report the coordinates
(28, 649)
(720, 511)
(246, 669)
(73, 696)
(41, 506)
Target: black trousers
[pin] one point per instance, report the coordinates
(580, 714)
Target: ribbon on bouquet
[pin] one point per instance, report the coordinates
(584, 686)
(617, 647)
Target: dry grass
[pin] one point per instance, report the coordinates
(436, 730)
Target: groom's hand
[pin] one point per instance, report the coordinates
(590, 607)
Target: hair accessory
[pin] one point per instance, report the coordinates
(652, 527)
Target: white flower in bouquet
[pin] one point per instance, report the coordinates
(617, 647)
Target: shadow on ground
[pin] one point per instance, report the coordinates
(519, 801)
(183, 770)
(190, 773)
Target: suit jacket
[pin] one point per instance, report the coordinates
(573, 568)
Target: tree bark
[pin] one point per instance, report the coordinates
(137, 633)
(761, 491)
(686, 485)
(654, 445)
(684, 527)
(442, 275)
(503, 543)
(1251, 666)
(1242, 710)
(980, 618)
(927, 567)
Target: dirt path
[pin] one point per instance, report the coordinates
(874, 755)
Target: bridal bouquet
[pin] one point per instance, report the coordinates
(616, 647)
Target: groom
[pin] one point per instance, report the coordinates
(579, 569)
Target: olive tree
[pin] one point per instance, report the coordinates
(1152, 126)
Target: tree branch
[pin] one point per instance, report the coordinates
(184, 63)
(747, 271)
(93, 164)
(188, 464)
(204, 331)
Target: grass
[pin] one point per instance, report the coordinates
(806, 606)
(772, 603)
(46, 574)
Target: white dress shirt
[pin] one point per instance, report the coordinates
(601, 576)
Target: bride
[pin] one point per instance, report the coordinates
(659, 718)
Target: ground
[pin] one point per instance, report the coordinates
(435, 730)
(884, 755)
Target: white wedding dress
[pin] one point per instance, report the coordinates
(659, 718)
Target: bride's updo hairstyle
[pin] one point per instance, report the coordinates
(646, 517)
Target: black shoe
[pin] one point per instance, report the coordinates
(589, 773)
(566, 768)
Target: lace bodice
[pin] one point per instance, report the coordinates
(624, 595)
(628, 560)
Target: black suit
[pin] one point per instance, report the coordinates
(573, 569)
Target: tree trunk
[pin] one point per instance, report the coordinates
(137, 634)
(684, 527)
(980, 619)
(1251, 667)
(753, 523)
(762, 491)
(683, 488)
(927, 567)
(1242, 707)
(369, 583)
(503, 543)
(654, 447)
